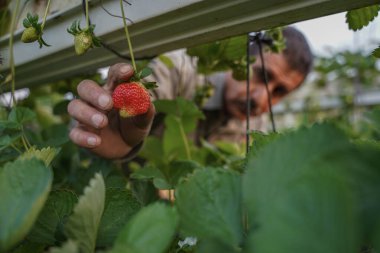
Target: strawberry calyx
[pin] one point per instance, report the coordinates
(33, 30)
(139, 75)
(84, 39)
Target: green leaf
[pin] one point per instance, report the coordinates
(317, 207)
(24, 187)
(178, 170)
(359, 18)
(186, 110)
(175, 140)
(308, 178)
(147, 172)
(144, 191)
(166, 60)
(161, 184)
(152, 150)
(28, 247)
(376, 236)
(21, 115)
(5, 124)
(376, 52)
(145, 72)
(181, 118)
(49, 225)
(150, 231)
(236, 48)
(82, 226)
(216, 194)
(7, 140)
(215, 246)
(46, 154)
(119, 208)
(150, 85)
(290, 151)
(55, 135)
(68, 247)
(260, 140)
(26, 23)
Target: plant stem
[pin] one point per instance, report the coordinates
(15, 148)
(127, 35)
(11, 57)
(45, 16)
(24, 142)
(87, 15)
(184, 138)
(27, 141)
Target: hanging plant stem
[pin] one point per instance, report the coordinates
(24, 142)
(45, 16)
(87, 15)
(11, 52)
(128, 37)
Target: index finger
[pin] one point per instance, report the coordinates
(117, 72)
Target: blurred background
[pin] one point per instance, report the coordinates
(345, 79)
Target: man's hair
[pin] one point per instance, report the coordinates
(297, 53)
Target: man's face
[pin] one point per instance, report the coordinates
(281, 80)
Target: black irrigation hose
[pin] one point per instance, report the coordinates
(259, 39)
(265, 74)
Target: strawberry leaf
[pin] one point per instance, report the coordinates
(46, 154)
(211, 189)
(140, 234)
(68, 247)
(48, 228)
(29, 16)
(83, 225)
(145, 72)
(26, 23)
(376, 52)
(35, 18)
(24, 187)
(359, 18)
(150, 85)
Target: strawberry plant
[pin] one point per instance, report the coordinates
(314, 189)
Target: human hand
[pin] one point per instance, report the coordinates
(99, 127)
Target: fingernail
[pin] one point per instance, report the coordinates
(104, 101)
(97, 119)
(125, 69)
(91, 141)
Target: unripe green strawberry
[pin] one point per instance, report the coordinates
(29, 35)
(131, 99)
(82, 43)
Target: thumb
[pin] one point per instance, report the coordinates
(117, 72)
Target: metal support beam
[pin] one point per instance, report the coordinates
(159, 26)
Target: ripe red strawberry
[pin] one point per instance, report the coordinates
(131, 99)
